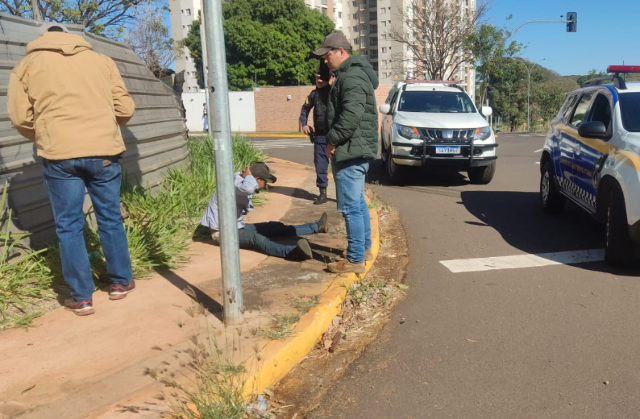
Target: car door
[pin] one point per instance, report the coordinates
(589, 152)
(569, 142)
(387, 122)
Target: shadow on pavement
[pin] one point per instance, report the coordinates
(416, 176)
(295, 192)
(518, 218)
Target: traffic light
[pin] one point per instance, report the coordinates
(572, 21)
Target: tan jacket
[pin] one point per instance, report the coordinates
(69, 99)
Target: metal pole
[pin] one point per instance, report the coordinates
(220, 123)
(203, 41)
(528, 95)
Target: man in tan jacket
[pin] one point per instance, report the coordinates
(71, 101)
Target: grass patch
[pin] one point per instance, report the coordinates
(280, 327)
(362, 291)
(304, 303)
(159, 227)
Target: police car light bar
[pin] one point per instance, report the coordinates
(623, 69)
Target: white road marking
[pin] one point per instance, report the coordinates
(537, 162)
(524, 261)
(537, 151)
(283, 143)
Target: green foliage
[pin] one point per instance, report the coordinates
(280, 327)
(593, 73)
(490, 46)
(24, 278)
(268, 42)
(102, 17)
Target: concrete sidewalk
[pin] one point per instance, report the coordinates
(75, 367)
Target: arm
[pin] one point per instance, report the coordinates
(245, 185)
(20, 108)
(353, 103)
(122, 102)
(306, 108)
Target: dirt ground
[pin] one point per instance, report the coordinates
(366, 312)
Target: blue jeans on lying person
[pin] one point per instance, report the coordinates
(257, 236)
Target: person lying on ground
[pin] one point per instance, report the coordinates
(258, 236)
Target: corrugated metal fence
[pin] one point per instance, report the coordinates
(155, 137)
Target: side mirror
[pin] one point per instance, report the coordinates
(593, 129)
(385, 109)
(486, 110)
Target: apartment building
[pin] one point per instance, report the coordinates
(330, 8)
(368, 24)
(183, 13)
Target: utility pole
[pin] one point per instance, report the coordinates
(220, 127)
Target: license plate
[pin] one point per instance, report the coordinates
(447, 149)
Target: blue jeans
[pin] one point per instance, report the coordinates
(256, 236)
(205, 127)
(66, 181)
(349, 177)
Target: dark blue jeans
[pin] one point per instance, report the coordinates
(256, 236)
(349, 177)
(321, 162)
(66, 181)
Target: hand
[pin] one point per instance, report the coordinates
(306, 130)
(331, 150)
(246, 171)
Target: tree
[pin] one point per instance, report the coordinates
(435, 33)
(149, 38)
(489, 46)
(593, 73)
(102, 17)
(269, 42)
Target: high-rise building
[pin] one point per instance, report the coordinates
(183, 13)
(330, 8)
(368, 25)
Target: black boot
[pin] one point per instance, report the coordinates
(322, 198)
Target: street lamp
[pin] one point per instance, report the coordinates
(529, 91)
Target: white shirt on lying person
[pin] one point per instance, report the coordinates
(245, 188)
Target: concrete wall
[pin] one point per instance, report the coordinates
(241, 106)
(155, 137)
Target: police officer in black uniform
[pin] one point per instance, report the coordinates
(317, 100)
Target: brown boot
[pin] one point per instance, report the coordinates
(368, 255)
(344, 266)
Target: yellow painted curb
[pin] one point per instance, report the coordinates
(279, 357)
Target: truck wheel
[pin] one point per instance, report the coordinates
(482, 175)
(551, 199)
(383, 149)
(619, 250)
(395, 172)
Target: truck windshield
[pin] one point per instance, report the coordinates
(630, 109)
(436, 102)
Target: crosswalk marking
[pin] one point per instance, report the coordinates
(524, 261)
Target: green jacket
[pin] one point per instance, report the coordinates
(352, 115)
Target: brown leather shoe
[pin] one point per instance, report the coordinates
(344, 266)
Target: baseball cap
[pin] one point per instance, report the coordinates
(261, 170)
(46, 27)
(332, 41)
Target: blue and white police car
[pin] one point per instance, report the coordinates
(592, 156)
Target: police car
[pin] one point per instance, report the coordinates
(435, 124)
(592, 156)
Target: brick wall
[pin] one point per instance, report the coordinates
(274, 113)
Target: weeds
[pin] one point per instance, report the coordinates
(280, 326)
(304, 303)
(24, 278)
(362, 291)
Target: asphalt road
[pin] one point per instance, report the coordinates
(555, 341)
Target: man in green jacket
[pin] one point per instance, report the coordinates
(352, 142)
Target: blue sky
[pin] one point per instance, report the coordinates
(607, 32)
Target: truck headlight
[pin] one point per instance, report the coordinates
(482, 133)
(411, 133)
